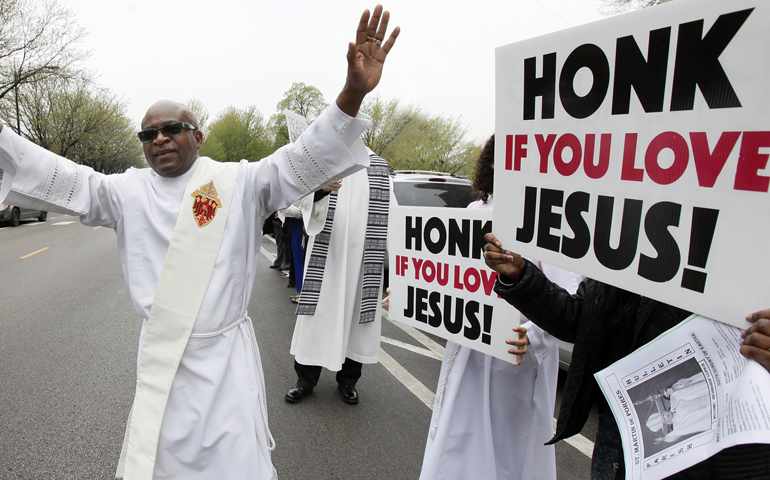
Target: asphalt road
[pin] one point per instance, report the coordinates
(68, 360)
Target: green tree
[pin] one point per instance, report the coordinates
(410, 139)
(305, 100)
(237, 134)
(38, 40)
(76, 119)
(434, 143)
(388, 123)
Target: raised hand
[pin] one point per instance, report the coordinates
(365, 58)
(502, 261)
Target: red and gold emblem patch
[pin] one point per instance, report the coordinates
(206, 204)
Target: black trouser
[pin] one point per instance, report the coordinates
(308, 375)
(279, 243)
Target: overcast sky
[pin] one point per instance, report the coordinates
(237, 52)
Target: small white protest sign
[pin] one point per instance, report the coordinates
(439, 282)
(296, 124)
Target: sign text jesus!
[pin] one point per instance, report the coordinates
(439, 282)
(635, 151)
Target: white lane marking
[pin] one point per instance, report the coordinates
(62, 223)
(31, 224)
(417, 335)
(581, 443)
(423, 393)
(412, 348)
(267, 254)
(407, 379)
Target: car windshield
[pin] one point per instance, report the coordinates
(433, 194)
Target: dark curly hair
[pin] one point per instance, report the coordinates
(484, 177)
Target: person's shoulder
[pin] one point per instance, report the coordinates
(479, 205)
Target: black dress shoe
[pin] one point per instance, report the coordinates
(274, 266)
(296, 394)
(349, 394)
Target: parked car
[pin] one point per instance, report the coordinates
(13, 214)
(565, 355)
(419, 188)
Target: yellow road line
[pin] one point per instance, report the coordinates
(29, 255)
(97, 228)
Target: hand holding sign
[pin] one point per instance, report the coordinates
(502, 261)
(520, 344)
(333, 186)
(756, 339)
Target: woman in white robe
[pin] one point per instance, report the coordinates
(491, 418)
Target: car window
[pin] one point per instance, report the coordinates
(430, 194)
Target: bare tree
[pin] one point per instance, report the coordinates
(76, 119)
(201, 114)
(38, 40)
(614, 7)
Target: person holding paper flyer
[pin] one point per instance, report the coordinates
(688, 411)
(606, 324)
(491, 418)
(189, 235)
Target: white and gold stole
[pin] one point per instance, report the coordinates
(178, 297)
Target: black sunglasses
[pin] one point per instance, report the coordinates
(169, 130)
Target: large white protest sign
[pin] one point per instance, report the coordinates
(684, 397)
(634, 150)
(439, 282)
(296, 124)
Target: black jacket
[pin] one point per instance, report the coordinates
(606, 324)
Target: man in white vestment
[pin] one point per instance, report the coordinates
(689, 413)
(206, 402)
(339, 313)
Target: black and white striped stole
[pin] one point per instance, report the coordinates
(374, 246)
(314, 273)
(376, 237)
